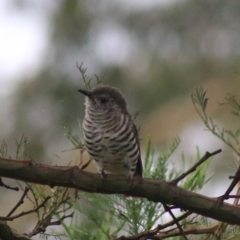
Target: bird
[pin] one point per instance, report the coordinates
(110, 135)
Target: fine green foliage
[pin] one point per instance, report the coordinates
(229, 137)
(87, 81)
(232, 102)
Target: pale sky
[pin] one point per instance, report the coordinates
(22, 41)
(23, 37)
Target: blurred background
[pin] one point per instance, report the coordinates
(155, 51)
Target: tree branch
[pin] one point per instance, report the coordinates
(150, 233)
(42, 228)
(187, 231)
(194, 167)
(175, 220)
(152, 189)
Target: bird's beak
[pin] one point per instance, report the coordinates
(85, 92)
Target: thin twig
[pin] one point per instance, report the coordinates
(222, 225)
(27, 212)
(167, 209)
(83, 71)
(42, 228)
(20, 202)
(187, 231)
(58, 222)
(151, 233)
(2, 184)
(194, 167)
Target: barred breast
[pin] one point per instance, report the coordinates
(112, 142)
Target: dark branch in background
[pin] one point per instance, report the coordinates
(194, 167)
(222, 225)
(157, 234)
(20, 202)
(26, 213)
(42, 228)
(2, 184)
(59, 222)
(167, 209)
(151, 233)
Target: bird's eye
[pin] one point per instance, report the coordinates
(103, 100)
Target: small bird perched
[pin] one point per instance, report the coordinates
(110, 135)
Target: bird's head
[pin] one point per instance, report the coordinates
(103, 98)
